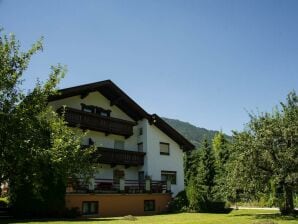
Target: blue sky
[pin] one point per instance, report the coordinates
(205, 62)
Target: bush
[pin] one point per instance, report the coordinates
(179, 203)
(296, 200)
(217, 207)
(71, 213)
(3, 203)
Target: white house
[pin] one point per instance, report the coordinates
(140, 155)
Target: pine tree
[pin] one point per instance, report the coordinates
(221, 149)
(206, 171)
(200, 188)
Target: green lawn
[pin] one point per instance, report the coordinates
(235, 217)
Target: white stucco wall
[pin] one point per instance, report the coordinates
(101, 140)
(106, 172)
(156, 162)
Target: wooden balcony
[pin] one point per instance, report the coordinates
(120, 157)
(96, 122)
(109, 186)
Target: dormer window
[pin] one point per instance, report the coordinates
(95, 110)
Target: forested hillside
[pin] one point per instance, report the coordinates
(191, 132)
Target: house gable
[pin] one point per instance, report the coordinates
(119, 103)
(93, 99)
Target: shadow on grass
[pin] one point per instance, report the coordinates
(274, 216)
(93, 219)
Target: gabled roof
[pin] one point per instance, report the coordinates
(117, 97)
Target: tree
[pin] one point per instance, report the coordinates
(221, 150)
(191, 173)
(191, 163)
(38, 152)
(207, 171)
(266, 154)
(202, 181)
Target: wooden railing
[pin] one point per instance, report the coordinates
(96, 122)
(113, 186)
(119, 157)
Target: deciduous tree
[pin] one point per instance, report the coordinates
(38, 152)
(266, 153)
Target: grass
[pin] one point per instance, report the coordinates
(235, 217)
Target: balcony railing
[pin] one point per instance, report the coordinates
(96, 122)
(102, 186)
(119, 157)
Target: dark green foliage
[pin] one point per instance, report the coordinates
(3, 203)
(221, 148)
(216, 207)
(179, 203)
(48, 201)
(201, 182)
(206, 171)
(194, 134)
(191, 162)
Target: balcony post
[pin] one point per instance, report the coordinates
(148, 185)
(169, 185)
(121, 184)
(91, 185)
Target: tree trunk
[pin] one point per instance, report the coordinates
(287, 207)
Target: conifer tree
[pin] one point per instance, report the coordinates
(206, 171)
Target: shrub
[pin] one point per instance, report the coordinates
(71, 213)
(179, 203)
(3, 202)
(217, 207)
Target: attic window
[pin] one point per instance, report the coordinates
(95, 110)
(164, 148)
(87, 108)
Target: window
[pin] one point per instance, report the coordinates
(90, 207)
(104, 113)
(96, 110)
(88, 109)
(149, 205)
(118, 144)
(140, 147)
(140, 131)
(169, 175)
(164, 148)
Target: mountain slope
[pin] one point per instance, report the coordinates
(194, 134)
